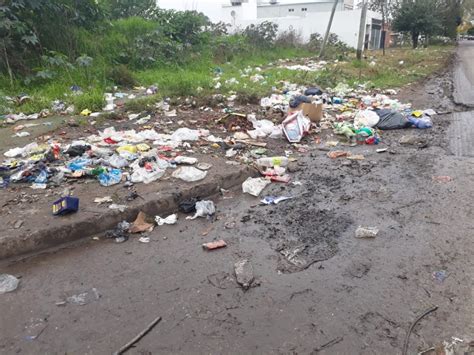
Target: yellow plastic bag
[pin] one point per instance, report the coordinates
(86, 112)
(142, 147)
(127, 148)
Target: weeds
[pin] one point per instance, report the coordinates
(141, 104)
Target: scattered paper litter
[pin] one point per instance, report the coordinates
(171, 219)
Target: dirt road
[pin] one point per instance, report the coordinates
(318, 289)
(464, 74)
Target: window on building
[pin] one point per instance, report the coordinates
(291, 10)
(304, 9)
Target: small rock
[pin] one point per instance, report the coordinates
(244, 273)
(8, 283)
(366, 232)
(18, 224)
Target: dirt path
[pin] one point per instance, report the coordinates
(464, 74)
(318, 288)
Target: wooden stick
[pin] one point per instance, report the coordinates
(138, 337)
(407, 338)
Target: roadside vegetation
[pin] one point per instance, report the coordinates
(49, 49)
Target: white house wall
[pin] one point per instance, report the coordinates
(296, 9)
(345, 24)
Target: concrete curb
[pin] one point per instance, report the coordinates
(156, 204)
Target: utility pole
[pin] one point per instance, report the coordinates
(326, 36)
(363, 16)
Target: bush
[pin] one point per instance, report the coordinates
(121, 76)
(335, 48)
(262, 35)
(225, 48)
(289, 39)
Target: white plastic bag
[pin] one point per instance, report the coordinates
(117, 161)
(366, 118)
(171, 219)
(185, 134)
(254, 186)
(189, 174)
(296, 126)
(203, 209)
(185, 160)
(147, 176)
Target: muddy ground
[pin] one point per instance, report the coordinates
(317, 288)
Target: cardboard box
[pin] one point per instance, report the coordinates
(313, 111)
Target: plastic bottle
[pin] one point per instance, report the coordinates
(272, 161)
(421, 123)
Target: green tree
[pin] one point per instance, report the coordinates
(418, 17)
(31, 28)
(452, 13)
(129, 8)
(383, 7)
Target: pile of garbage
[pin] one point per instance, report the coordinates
(110, 157)
(143, 156)
(353, 113)
(59, 107)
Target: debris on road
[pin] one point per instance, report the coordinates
(101, 200)
(442, 179)
(366, 232)
(440, 275)
(338, 154)
(138, 337)
(83, 298)
(203, 209)
(120, 208)
(188, 206)
(189, 174)
(140, 224)
(171, 219)
(413, 324)
(274, 200)
(119, 233)
(214, 245)
(65, 205)
(254, 186)
(244, 273)
(8, 283)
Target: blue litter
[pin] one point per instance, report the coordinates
(79, 164)
(112, 177)
(65, 205)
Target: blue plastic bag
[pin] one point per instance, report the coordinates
(112, 177)
(42, 177)
(79, 164)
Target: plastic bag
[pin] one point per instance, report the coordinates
(185, 160)
(147, 176)
(112, 177)
(422, 122)
(116, 161)
(296, 126)
(203, 209)
(189, 174)
(390, 119)
(366, 118)
(79, 164)
(185, 134)
(171, 219)
(254, 186)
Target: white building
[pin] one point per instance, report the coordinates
(304, 16)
